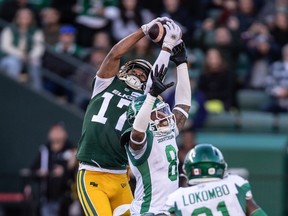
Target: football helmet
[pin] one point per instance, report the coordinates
(204, 163)
(162, 120)
(132, 80)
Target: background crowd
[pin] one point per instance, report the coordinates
(232, 45)
(57, 46)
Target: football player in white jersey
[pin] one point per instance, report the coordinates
(212, 191)
(151, 142)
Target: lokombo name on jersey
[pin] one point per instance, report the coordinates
(205, 195)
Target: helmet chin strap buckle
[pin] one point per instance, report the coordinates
(134, 82)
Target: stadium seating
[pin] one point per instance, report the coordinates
(251, 99)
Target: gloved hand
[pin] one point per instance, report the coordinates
(178, 54)
(173, 35)
(146, 27)
(157, 84)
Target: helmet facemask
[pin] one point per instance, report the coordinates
(132, 80)
(162, 119)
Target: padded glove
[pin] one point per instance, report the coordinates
(178, 55)
(173, 35)
(145, 28)
(157, 84)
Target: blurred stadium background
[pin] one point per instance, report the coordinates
(236, 63)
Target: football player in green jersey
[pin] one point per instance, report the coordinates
(151, 142)
(212, 191)
(102, 180)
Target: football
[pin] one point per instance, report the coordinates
(157, 32)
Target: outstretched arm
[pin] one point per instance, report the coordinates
(138, 134)
(183, 88)
(173, 35)
(110, 65)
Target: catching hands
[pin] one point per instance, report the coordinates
(173, 35)
(157, 84)
(146, 27)
(178, 55)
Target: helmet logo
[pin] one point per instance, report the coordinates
(211, 171)
(196, 171)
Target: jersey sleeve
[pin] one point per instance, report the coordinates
(171, 203)
(243, 186)
(100, 84)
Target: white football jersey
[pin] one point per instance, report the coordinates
(225, 197)
(156, 172)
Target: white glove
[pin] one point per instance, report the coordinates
(146, 27)
(173, 35)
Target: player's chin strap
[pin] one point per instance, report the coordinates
(134, 82)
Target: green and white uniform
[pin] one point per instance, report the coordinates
(155, 168)
(221, 197)
(104, 122)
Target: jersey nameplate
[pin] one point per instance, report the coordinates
(126, 96)
(136, 94)
(205, 195)
(165, 138)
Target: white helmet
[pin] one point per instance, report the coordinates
(162, 119)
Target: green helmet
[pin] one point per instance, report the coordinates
(159, 107)
(204, 163)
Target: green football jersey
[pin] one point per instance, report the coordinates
(104, 122)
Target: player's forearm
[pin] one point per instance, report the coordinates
(142, 119)
(141, 123)
(110, 65)
(183, 88)
(182, 96)
(126, 44)
(162, 59)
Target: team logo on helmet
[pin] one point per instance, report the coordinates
(196, 171)
(204, 163)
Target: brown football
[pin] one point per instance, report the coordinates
(157, 32)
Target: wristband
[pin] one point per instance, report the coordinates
(182, 111)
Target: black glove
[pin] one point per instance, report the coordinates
(157, 85)
(178, 55)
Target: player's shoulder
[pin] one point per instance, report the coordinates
(100, 80)
(236, 179)
(176, 193)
